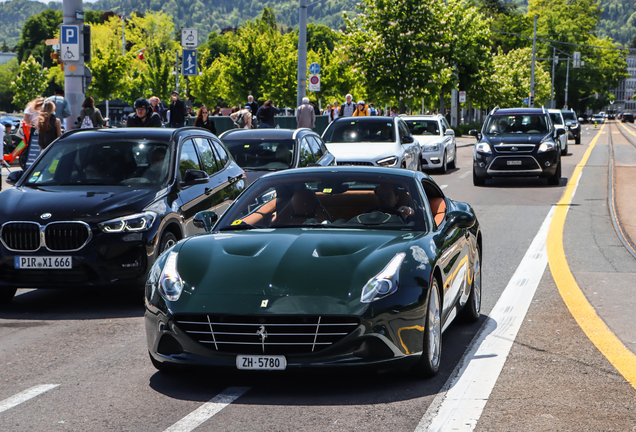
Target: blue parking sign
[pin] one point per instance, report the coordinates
(69, 35)
(69, 43)
(189, 67)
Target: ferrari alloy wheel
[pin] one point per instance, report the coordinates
(472, 309)
(6, 294)
(428, 365)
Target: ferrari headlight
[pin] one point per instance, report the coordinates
(134, 223)
(389, 162)
(170, 284)
(483, 147)
(430, 147)
(546, 146)
(384, 283)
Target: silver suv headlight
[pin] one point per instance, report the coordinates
(483, 147)
(388, 162)
(546, 146)
(431, 147)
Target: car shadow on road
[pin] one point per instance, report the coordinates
(319, 386)
(521, 183)
(73, 304)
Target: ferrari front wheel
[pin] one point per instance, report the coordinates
(471, 311)
(429, 362)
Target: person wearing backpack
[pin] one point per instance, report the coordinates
(242, 118)
(90, 117)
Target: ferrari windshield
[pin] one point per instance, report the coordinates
(102, 163)
(423, 127)
(357, 130)
(328, 200)
(261, 154)
(517, 124)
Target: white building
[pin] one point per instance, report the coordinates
(626, 91)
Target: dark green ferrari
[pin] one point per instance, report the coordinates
(319, 267)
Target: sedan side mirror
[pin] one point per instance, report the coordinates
(560, 131)
(205, 220)
(473, 132)
(459, 219)
(408, 139)
(193, 176)
(449, 132)
(14, 177)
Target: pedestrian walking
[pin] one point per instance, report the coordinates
(305, 115)
(315, 107)
(32, 111)
(143, 116)
(348, 108)
(327, 110)
(49, 127)
(361, 110)
(177, 111)
(252, 104)
(62, 107)
(334, 113)
(204, 121)
(372, 110)
(158, 107)
(242, 118)
(216, 112)
(265, 115)
(90, 116)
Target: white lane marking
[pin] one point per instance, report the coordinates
(442, 187)
(466, 174)
(207, 410)
(25, 396)
(459, 405)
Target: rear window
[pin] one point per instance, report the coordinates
(262, 154)
(353, 131)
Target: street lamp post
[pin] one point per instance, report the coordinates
(302, 53)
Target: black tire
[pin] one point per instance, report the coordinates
(564, 151)
(164, 367)
(472, 309)
(555, 179)
(7, 294)
(577, 139)
(419, 164)
(444, 167)
(24, 157)
(431, 358)
(478, 181)
(453, 164)
(167, 241)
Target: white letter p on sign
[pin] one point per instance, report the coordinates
(69, 33)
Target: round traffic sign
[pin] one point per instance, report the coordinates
(314, 79)
(314, 68)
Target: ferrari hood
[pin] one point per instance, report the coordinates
(285, 270)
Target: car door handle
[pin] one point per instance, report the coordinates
(208, 191)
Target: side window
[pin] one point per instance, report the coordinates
(436, 201)
(306, 156)
(315, 147)
(445, 125)
(208, 159)
(404, 130)
(323, 147)
(188, 159)
(223, 158)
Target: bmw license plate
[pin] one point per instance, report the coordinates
(261, 362)
(513, 162)
(43, 262)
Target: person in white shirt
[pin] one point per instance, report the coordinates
(348, 108)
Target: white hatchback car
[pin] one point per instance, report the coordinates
(437, 141)
(559, 123)
(372, 141)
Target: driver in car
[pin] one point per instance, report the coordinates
(154, 173)
(388, 200)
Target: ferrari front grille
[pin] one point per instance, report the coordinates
(278, 334)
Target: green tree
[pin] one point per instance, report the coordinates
(35, 32)
(29, 83)
(8, 72)
(209, 87)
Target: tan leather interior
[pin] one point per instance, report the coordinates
(438, 208)
(303, 205)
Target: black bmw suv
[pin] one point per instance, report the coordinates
(98, 206)
(517, 142)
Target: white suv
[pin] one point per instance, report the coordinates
(436, 139)
(559, 123)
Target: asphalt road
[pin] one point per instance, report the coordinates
(89, 346)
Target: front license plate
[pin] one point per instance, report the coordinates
(513, 162)
(261, 362)
(42, 262)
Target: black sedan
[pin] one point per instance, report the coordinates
(99, 206)
(264, 150)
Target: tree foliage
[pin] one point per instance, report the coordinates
(29, 83)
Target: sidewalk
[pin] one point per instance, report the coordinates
(625, 181)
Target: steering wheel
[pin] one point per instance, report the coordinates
(384, 209)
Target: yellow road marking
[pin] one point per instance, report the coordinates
(582, 311)
(627, 129)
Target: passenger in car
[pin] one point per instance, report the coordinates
(155, 173)
(388, 200)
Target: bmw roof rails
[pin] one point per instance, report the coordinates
(494, 110)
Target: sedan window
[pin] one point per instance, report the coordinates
(188, 159)
(306, 155)
(262, 154)
(208, 160)
(221, 153)
(423, 127)
(314, 144)
(352, 131)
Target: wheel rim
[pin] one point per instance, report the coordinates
(477, 285)
(434, 328)
(169, 243)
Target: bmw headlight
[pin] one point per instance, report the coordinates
(483, 147)
(430, 147)
(169, 283)
(384, 283)
(389, 162)
(546, 146)
(133, 223)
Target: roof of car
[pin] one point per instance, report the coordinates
(521, 110)
(422, 117)
(265, 133)
(366, 118)
(351, 169)
(150, 133)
